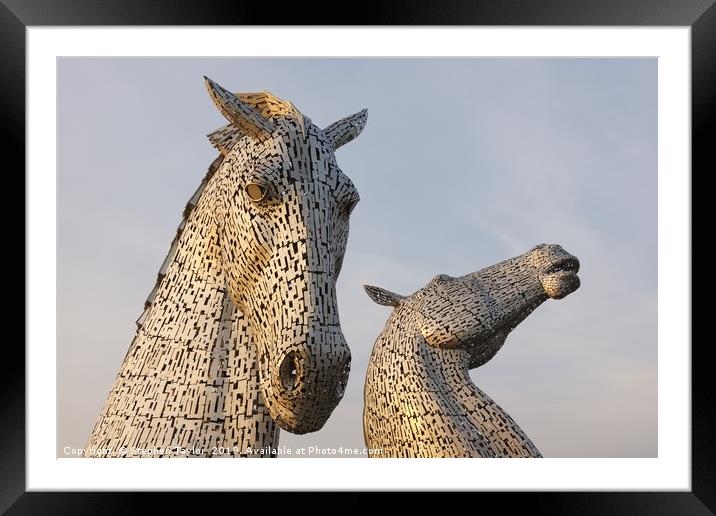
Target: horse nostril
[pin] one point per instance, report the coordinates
(288, 372)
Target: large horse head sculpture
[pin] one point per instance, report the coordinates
(282, 226)
(241, 332)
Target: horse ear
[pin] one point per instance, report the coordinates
(382, 296)
(237, 112)
(346, 129)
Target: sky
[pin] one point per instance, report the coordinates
(463, 163)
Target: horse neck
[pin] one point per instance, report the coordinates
(190, 377)
(501, 435)
(401, 354)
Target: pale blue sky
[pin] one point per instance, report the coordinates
(463, 163)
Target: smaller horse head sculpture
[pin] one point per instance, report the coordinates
(419, 398)
(282, 227)
(471, 310)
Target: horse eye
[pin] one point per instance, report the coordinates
(256, 192)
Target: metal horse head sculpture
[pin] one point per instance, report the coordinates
(282, 216)
(241, 331)
(419, 398)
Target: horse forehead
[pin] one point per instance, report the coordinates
(453, 300)
(307, 136)
(314, 164)
(454, 290)
(304, 159)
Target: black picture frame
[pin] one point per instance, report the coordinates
(700, 15)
